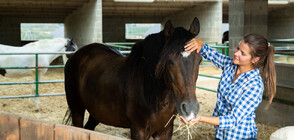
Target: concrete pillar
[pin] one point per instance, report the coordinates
(245, 17)
(210, 17)
(85, 24)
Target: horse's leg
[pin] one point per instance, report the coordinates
(138, 134)
(92, 123)
(166, 134)
(78, 113)
(76, 107)
(41, 72)
(73, 97)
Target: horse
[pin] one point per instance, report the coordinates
(225, 38)
(41, 46)
(142, 91)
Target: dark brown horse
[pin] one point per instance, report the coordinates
(142, 91)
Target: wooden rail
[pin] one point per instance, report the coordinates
(18, 128)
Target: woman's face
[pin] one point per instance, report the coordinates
(242, 55)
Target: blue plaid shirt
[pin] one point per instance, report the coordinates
(237, 101)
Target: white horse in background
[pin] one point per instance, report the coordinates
(44, 60)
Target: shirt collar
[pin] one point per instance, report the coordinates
(249, 74)
(252, 73)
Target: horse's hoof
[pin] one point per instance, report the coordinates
(36, 100)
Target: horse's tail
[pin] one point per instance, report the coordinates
(68, 70)
(71, 90)
(67, 119)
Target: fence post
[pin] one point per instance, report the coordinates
(37, 80)
(37, 76)
(227, 51)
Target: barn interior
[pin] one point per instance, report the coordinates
(88, 21)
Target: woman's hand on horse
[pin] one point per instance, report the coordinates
(194, 44)
(191, 122)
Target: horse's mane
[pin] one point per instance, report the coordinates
(116, 51)
(141, 64)
(150, 55)
(173, 47)
(147, 51)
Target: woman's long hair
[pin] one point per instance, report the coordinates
(260, 47)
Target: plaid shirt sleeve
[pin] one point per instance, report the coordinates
(245, 105)
(220, 60)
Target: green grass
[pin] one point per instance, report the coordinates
(35, 31)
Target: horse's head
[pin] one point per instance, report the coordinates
(70, 47)
(179, 69)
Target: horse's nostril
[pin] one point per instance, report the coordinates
(184, 109)
(189, 108)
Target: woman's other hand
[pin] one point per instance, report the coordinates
(192, 122)
(194, 44)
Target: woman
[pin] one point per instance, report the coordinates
(241, 85)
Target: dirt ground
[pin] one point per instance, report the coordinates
(53, 108)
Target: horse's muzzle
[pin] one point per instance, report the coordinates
(188, 109)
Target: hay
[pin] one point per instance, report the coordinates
(53, 108)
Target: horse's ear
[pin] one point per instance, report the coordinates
(195, 27)
(168, 29)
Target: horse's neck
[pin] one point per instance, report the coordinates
(52, 47)
(143, 67)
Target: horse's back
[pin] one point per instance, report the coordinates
(97, 48)
(93, 60)
(13, 49)
(97, 55)
(91, 78)
(16, 61)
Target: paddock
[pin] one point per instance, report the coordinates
(53, 108)
(90, 21)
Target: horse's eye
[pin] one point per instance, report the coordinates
(171, 62)
(165, 104)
